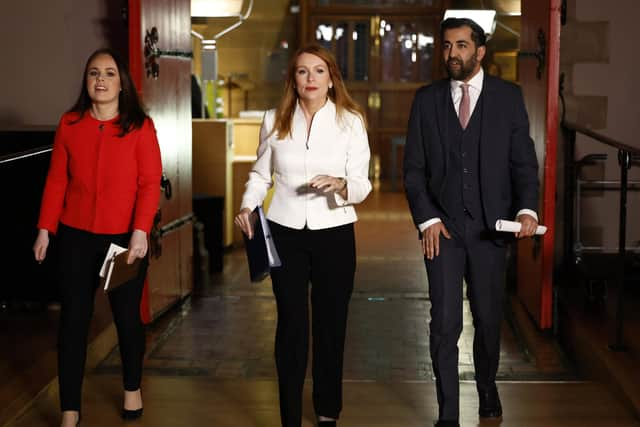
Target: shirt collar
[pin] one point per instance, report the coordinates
(475, 82)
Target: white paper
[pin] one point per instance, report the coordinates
(272, 253)
(113, 250)
(514, 227)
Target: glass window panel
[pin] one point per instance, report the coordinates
(360, 38)
(406, 51)
(341, 36)
(425, 57)
(324, 35)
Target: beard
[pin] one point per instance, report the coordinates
(465, 69)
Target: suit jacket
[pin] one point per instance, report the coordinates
(508, 167)
(336, 146)
(101, 182)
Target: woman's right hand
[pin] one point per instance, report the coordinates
(41, 245)
(245, 221)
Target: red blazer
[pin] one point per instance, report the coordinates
(100, 182)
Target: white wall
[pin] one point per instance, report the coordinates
(44, 47)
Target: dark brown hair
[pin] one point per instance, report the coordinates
(131, 112)
(477, 33)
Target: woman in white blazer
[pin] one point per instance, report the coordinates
(314, 149)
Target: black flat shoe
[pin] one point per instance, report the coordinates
(447, 423)
(327, 423)
(129, 414)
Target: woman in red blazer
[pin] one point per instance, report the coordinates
(103, 187)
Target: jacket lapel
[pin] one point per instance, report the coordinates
(443, 98)
(486, 122)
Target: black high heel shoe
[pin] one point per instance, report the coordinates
(131, 414)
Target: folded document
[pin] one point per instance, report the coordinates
(115, 271)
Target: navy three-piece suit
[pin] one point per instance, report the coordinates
(468, 178)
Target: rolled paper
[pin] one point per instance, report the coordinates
(514, 227)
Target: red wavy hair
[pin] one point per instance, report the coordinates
(338, 93)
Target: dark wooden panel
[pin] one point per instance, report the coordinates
(168, 99)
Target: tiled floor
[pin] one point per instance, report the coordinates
(227, 330)
(210, 362)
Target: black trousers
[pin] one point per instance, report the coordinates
(470, 254)
(80, 257)
(327, 259)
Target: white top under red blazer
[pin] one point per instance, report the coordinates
(335, 146)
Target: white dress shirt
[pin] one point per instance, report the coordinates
(475, 89)
(335, 146)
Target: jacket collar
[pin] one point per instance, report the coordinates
(328, 109)
(299, 124)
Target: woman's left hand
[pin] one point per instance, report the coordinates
(137, 246)
(327, 183)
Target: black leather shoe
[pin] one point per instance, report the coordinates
(327, 424)
(447, 423)
(129, 414)
(490, 406)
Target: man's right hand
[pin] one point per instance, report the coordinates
(245, 221)
(431, 239)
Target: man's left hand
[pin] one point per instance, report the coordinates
(529, 225)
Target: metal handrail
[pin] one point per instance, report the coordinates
(625, 154)
(601, 138)
(25, 154)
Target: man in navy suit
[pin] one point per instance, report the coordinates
(468, 161)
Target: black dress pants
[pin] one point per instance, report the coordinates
(81, 254)
(470, 254)
(327, 259)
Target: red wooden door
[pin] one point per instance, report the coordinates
(160, 61)
(535, 258)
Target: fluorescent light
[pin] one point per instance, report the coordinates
(216, 8)
(483, 17)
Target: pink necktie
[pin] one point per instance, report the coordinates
(465, 106)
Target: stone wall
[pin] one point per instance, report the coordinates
(44, 48)
(599, 63)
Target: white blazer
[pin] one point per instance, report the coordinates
(336, 147)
